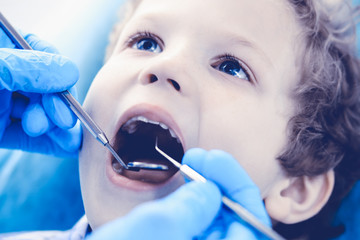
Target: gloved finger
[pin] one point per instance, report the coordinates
(195, 206)
(181, 215)
(5, 110)
(34, 120)
(68, 139)
(226, 172)
(19, 104)
(236, 229)
(5, 42)
(226, 227)
(34, 71)
(33, 40)
(14, 137)
(40, 45)
(59, 113)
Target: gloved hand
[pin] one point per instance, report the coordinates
(221, 168)
(32, 117)
(194, 210)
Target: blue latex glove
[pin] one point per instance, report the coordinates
(195, 210)
(221, 168)
(32, 117)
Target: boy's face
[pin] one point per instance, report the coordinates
(217, 73)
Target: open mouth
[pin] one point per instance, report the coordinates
(135, 142)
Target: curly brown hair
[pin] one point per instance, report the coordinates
(324, 133)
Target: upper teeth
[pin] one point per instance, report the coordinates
(131, 128)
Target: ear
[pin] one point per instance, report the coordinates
(295, 199)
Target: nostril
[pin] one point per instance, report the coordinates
(153, 78)
(175, 84)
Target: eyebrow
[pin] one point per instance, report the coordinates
(236, 39)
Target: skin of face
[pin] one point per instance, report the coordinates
(194, 44)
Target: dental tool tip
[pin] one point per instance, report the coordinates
(173, 161)
(148, 166)
(116, 156)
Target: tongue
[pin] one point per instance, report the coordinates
(148, 176)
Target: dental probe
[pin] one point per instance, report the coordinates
(75, 106)
(239, 210)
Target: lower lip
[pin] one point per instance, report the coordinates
(134, 185)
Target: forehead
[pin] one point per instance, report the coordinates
(221, 8)
(263, 21)
(252, 17)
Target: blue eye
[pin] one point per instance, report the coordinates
(145, 41)
(148, 44)
(230, 65)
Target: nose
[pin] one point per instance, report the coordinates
(153, 78)
(167, 71)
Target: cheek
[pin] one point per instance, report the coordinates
(253, 133)
(104, 94)
(114, 78)
(102, 200)
(90, 171)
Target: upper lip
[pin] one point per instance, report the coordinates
(151, 112)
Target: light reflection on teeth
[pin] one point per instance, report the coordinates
(143, 119)
(152, 122)
(131, 127)
(164, 126)
(174, 135)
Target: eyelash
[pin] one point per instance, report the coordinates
(140, 35)
(230, 57)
